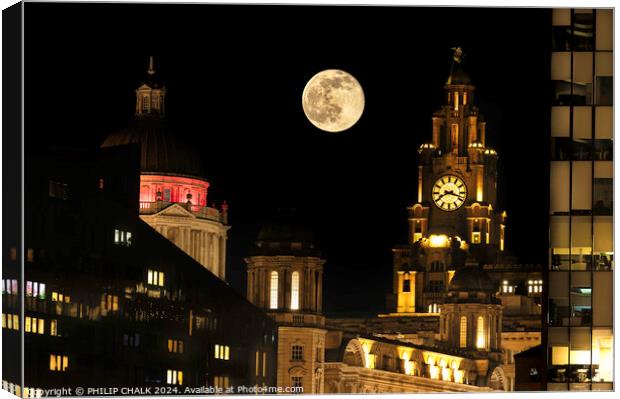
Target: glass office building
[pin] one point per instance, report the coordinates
(579, 322)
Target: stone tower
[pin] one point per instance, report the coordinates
(285, 278)
(173, 190)
(456, 208)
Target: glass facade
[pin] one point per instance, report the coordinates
(581, 258)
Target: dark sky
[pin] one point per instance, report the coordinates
(235, 75)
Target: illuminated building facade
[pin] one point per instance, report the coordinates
(456, 215)
(173, 193)
(110, 302)
(285, 279)
(579, 316)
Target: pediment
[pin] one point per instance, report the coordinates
(176, 210)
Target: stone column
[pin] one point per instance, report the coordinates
(320, 290)
(222, 273)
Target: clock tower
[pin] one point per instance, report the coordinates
(455, 218)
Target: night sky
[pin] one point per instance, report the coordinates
(235, 75)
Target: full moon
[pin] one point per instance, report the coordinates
(333, 100)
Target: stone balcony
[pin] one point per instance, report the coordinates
(201, 212)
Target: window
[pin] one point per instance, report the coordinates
(146, 104)
(295, 291)
(13, 253)
(122, 238)
(507, 288)
(174, 377)
(437, 266)
(54, 328)
(297, 381)
(534, 287)
(10, 321)
(220, 381)
(30, 255)
(175, 346)
(155, 278)
(433, 308)
(407, 285)
(222, 352)
(463, 333)
(9, 286)
(273, 299)
(101, 183)
(604, 90)
(435, 286)
(35, 289)
(109, 302)
(58, 190)
(297, 352)
(131, 340)
(480, 335)
(58, 363)
(34, 325)
(603, 196)
(58, 297)
(264, 364)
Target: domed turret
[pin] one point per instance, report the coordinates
(471, 278)
(284, 236)
(173, 190)
(161, 151)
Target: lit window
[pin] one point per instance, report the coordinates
(507, 288)
(10, 321)
(9, 287)
(220, 381)
(295, 291)
(54, 328)
(175, 346)
(58, 190)
(480, 341)
(109, 302)
(222, 352)
(101, 183)
(297, 352)
(463, 332)
(30, 255)
(257, 362)
(534, 286)
(34, 325)
(35, 289)
(155, 278)
(58, 297)
(264, 364)
(58, 363)
(174, 377)
(433, 308)
(273, 300)
(13, 253)
(146, 105)
(122, 238)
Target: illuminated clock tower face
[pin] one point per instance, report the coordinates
(449, 193)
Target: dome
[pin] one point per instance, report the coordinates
(284, 232)
(472, 278)
(285, 236)
(458, 76)
(162, 152)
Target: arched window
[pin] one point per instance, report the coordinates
(295, 291)
(463, 333)
(273, 298)
(480, 341)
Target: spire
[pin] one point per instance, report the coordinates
(151, 71)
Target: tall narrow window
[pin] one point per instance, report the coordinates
(480, 341)
(463, 332)
(295, 291)
(273, 299)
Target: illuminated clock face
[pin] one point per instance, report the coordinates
(449, 193)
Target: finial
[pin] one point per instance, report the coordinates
(151, 71)
(458, 54)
